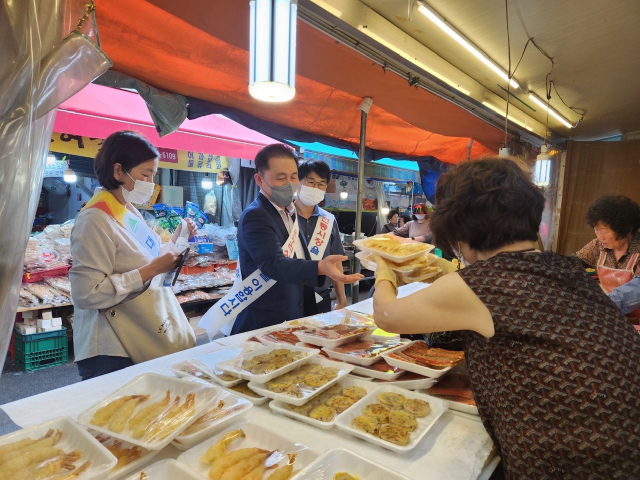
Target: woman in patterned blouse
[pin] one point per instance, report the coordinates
(554, 365)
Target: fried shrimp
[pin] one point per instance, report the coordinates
(57, 465)
(75, 473)
(103, 414)
(49, 440)
(243, 467)
(144, 425)
(172, 419)
(22, 462)
(223, 463)
(143, 413)
(284, 473)
(20, 444)
(218, 449)
(121, 416)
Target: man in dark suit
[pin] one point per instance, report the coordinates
(264, 228)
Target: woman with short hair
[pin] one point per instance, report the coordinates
(392, 221)
(615, 252)
(554, 365)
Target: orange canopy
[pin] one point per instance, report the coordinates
(199, 48)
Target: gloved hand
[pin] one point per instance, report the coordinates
(445, 265)
(383, 272)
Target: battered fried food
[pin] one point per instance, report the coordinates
(330, 372)
(392, 400)
(354, 392)
(143, 413)
(344, 476)
(144, 424)
(341, 403)
(222, 464)
(280, 384)
(403, 419)
(74, 474)
(10, 469)
(314, 380)
(391, 245)
(103, 414)
(219, 449)
(211, 416)
(367, 423)
(323, 413)
(419, 408)
(295, 391)
(49, 440)
(172, 420)
(379, 411)
(284, 473)
(119, 419)
(395, 434)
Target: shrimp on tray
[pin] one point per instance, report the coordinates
(172, 419)
(286, 472)
(103, 414)
(219, 449)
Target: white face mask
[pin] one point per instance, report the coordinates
(420, 217)
(141, 192)
(310, 196)
(458, 254)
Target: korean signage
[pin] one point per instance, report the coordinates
(169, 158)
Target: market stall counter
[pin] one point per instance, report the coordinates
(456, 447)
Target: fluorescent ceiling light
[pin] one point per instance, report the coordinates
(435, 17)
(503, 113)
(552, 112)
(382, 41)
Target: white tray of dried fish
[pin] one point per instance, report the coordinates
(130, 457)
(406, 436)
(304, 383)
(319, 407)
(243, 391)
(340, 460)
(72, 449)
(267, 363)
(151, 410)
(248, 435)
(167, 469)
(226, 409)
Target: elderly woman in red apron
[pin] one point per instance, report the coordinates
(615, 251)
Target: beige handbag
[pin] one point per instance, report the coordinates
(151, 325)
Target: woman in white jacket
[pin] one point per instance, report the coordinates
(111, 264)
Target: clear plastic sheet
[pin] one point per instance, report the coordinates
(41, 65)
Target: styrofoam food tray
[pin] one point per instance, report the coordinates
(342, 460)
(233, 366)
(187, 369)
(358, 360)
(168, 469)
(155, 385)
(457, 406)
(231, 401)
(280, 407)
(409, 383)
(371, 373)
(412, 367)
(265, 338)
(438, 407)
(393, 258)
(329, 343)
(255, 400)
(74, 437)
(207, 363)
(343, 370)
(146, 457)
(255, 436)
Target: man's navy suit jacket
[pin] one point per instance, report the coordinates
(261, 234)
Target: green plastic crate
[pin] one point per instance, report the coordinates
(41, 350)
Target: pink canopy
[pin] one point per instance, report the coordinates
(98, 111)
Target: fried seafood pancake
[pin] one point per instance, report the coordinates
(315, 380)
(281, 352)
(323, 413)
(295, 391)
(301, 409)
(279, 362)
(395, 434)
(366, 423)
(419, 408)
(403, 419)
(392, 400)
(279, 385)
(341, 403)
(330, 372)
(262, 368)
(381, 412)
(310, 368)
(335, 389)
(354, 392)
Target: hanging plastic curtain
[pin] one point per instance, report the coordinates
(49, 52)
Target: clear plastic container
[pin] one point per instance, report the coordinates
(359, 358)
(234, 366)
(168, 469)
(73, 437)
(256, 436)
(316, 337)
(170, 420)
(124, 448)
(375, 371)
(343, 369)
(412, 367)
(340, 460)
(225, 410)
(438, 407)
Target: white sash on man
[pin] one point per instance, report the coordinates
(319, 241)
(243, 293)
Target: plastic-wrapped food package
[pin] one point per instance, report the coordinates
(28, 299)
(63, 247)
(61, 284)
(47, 294)
(210, 203)
(221, 235)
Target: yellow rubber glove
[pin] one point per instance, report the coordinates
(445, 265)
(384, 273)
